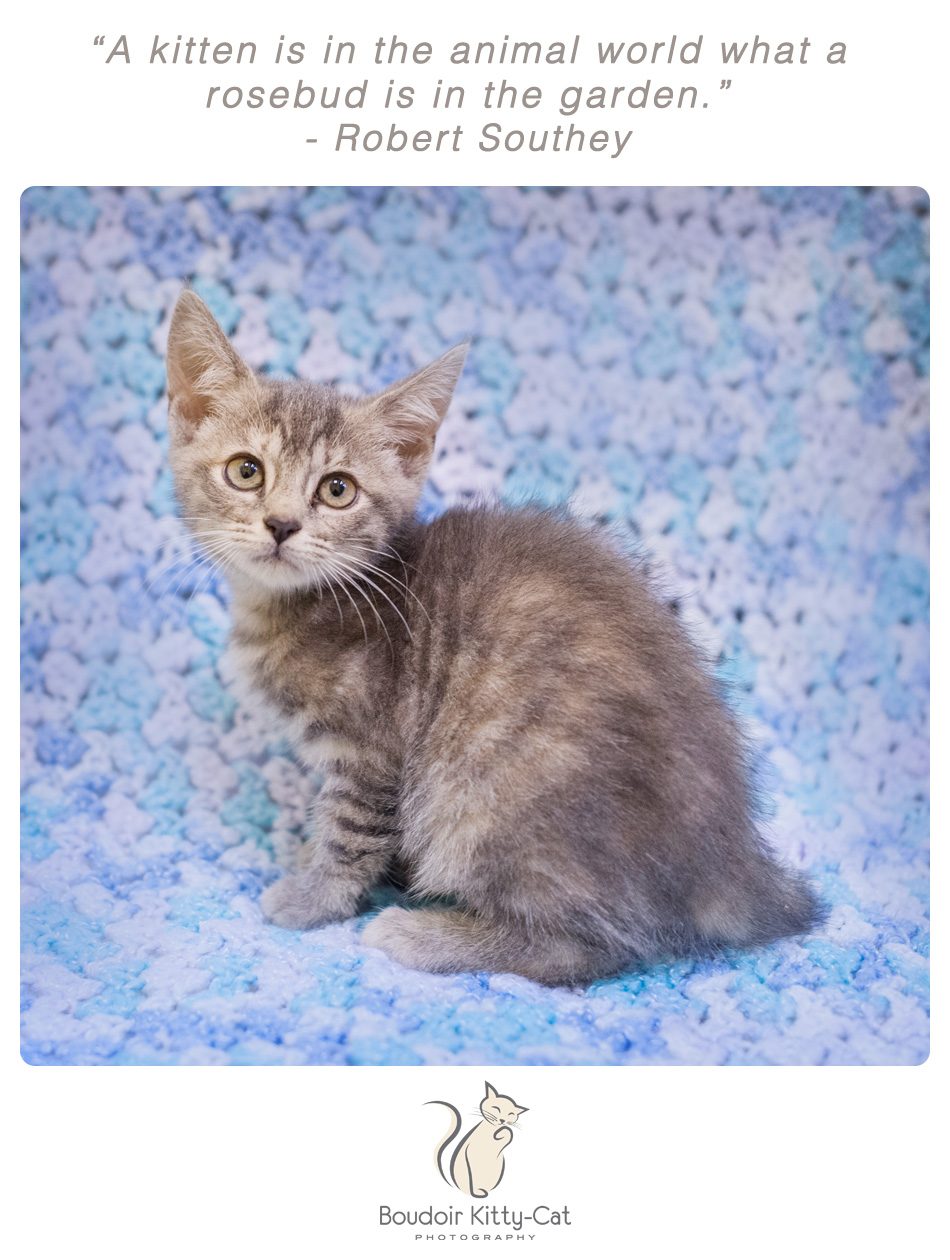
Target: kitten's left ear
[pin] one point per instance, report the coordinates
(411, 410)
(490, 1091)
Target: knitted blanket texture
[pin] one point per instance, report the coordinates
(736, 380)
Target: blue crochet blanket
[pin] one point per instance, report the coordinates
(735, 378)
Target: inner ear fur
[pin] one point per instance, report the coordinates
(411, 410)
(202, 364)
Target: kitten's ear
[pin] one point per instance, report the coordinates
(202, 364)
(412, 409)
(521, 1110)
(490, 1091)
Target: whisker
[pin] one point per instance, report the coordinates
(198, 571)
(369, 601)
(206, 576)
(386, 549)
(361, 574)
(332, 590)
(321, 580)
(184, 546)
(353, 602)
(395, 582)
(176, 573)
(167, 570)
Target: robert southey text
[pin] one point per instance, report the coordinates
(558, 140)
(474, 1217)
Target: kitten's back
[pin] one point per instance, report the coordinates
(570, 749)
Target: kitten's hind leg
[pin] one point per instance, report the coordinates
(353, 839)
(454, 940)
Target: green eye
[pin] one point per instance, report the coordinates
(337, 490)
(244, 472)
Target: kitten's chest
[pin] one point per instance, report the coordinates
(315, 697)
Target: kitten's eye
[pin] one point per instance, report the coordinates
(244, 472)
(338, 490)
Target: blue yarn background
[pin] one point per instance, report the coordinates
(735, 377)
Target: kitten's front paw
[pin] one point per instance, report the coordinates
(294, 902)
(400, 934)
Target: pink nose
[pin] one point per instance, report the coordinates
(281, 529)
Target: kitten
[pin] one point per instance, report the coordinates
(504, 712)
(478, 1162)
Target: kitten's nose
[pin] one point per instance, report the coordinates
(281, 529)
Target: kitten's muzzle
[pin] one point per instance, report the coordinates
(281, 529)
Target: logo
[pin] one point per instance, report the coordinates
(477, 1163)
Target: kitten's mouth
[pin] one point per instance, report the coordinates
(278, 555)
(279, 565)
(276, 568)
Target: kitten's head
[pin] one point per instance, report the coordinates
(290, 484)
(498, 1108)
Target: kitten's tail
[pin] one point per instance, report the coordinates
(780, 902)
(448, 1139)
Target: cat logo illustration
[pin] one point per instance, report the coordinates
(478, 1162)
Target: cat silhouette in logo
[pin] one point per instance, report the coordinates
(478, 1162)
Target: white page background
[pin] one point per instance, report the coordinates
(654, 1161)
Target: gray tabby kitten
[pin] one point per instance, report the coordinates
(504, 712)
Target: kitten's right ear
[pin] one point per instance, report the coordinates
(202, 364)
